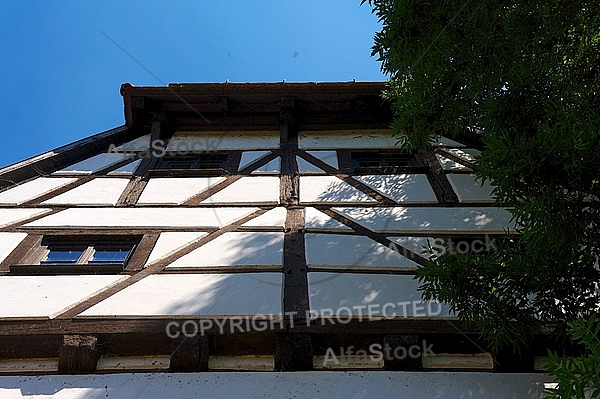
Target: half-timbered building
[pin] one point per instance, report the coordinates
(230, 229)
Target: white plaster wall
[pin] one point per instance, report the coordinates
(94, 163)
(350, 252)
(8, 242)
(450, 165)
(126, 170)
(445, 142)
(307, 167)
(401, 188)
(170, 242)
(272, 218)
(433, 219)
(236, 249)
(468, 154)
(14, 215)
(143, 217)
(358, 138)
(175, 190)
(47, 296)
(250, 156)
(273, 166)
(303, 384)
(329, 189)
(196, 294)
(140, 144)
(469, 190)
(100, 191)
(423, 246)
(329, 157)
(33, 189)
(211, 141)
(257, 189)
(357, 291)
(315, 219)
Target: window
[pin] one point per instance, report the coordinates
(199, 164)
(79, 255)
(384, 161)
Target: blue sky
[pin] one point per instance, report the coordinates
(62, 75)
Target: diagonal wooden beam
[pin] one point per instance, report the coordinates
(382, 199)
(155, 267)
(380, 238)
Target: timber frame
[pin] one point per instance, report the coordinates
(78, 342)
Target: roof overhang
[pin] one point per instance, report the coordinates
(199, 100)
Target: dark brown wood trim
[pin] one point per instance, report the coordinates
(295, 278)
(317, 162)
(47, 163)
(140, 231)
(58, 191)
(198, 198)
(453, 157)
(293, 352)
(376, 195)
(53, 270)
(380, 238)
(189, 354)
(142, 252)
(81, 180)
(112, 325)
(21, 252)
(344, 161)
(221, 269)
(233, 161)
(363, 270)
(260, 162)
(289, 187)
(78, 354)
(437, 178)
(136, 185)
(406, 363)
(18, 225)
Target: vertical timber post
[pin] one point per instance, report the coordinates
(293, 352)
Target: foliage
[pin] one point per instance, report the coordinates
(577, 377)
(524, 77)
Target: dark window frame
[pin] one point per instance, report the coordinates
(35, 263)
(201, 164)
(383, 161)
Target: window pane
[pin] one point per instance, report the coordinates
(61, 257)
(200, 161)
(382, 159)
(109, 256)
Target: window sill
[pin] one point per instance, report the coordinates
(50, 270)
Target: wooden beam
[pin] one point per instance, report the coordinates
(189, 354)
(380, 238)
(25, 247)
(295, 277)
(155, 267)
(51, 161)
(438, 180)
(78, 354)
(142, 252)
(384, 200)
(113, 325)
(137, 183)
(398, 354)
(293, 352)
